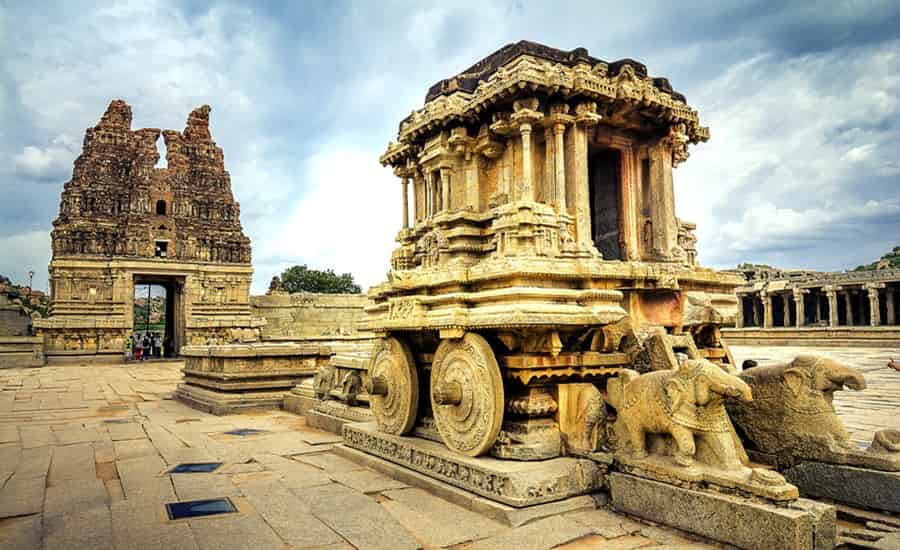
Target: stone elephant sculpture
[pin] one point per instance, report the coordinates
(792, 416)
(686, 403)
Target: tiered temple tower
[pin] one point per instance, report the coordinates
(122, 222)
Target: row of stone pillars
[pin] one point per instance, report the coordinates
(839, 306)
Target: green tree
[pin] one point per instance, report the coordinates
(300, 278)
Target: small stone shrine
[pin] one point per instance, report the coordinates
(123, 221)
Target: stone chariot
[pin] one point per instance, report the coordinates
(543, 256)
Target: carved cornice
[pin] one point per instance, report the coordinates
(536, 75)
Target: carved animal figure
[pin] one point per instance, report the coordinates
(686, 403)
(323, 381)
(792, 415)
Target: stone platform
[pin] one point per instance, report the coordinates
(800, 525)
(21, 351)
(861, 336)
(516, 484)
(234, 378)
(856, 486)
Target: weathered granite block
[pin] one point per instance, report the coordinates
(732, 520)
(856, 486)
(510, 482)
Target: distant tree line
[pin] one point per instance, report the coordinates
(300, 278)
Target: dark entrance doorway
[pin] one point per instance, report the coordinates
(158, 314)
(604, 166)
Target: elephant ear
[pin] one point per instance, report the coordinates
(794, 380)
(675, 392)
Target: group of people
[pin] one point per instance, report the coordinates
(143, 347)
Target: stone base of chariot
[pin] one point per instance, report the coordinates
(873, 489)
(511, 483)
(325, 415)
(746, 523)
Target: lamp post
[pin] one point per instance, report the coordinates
(30, 277)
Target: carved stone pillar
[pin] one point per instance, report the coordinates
(418, 194)
(739, 316)
(525, 114)
(428, 199)
(405, 183)
(848, 306)
(874, 305)
(560, 158)
(586, 117)
(527, 177)
(831, 294)
(757, 311)
(785, 310)
(800, 306)
(662, 202)
(889, 302)
(473, 183)
(768, 317)
(445, 189)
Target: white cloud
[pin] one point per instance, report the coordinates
(24, 252)
(793, 148)
(346, 221)
(52, 162)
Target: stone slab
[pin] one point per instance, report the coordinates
(129, 430)
(357, 518)
(72, 462)
(21, 533)
(235, 532)
(287, 515)
(857, 486)
(20, 497)
(539, 535)
(436, 522)
(139, 525)
(517, 484)
(497, 511)
(75, 495)
(329, 461)
(727, 519)
(367, 481)
(144, 478)
(201, 486)
(79, 529)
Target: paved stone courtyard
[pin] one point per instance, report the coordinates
(85, 451)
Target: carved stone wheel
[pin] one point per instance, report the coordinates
(467, 394)
(393, 386)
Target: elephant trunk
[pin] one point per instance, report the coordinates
(851, 378)
(733, 388)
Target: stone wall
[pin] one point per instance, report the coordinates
(14, 322)
(306, 315)
(21, 351)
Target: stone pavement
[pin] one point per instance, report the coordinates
(85, 453)
(864, 412)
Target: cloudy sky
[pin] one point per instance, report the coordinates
(802, 100)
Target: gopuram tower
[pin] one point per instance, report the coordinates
(122, 221)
